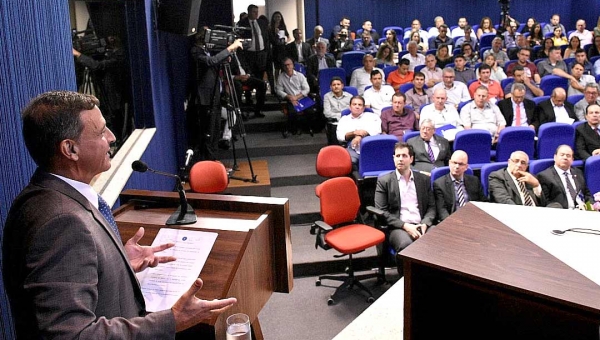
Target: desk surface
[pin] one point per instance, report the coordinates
(473, 244)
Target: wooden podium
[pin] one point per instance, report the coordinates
(251, 258)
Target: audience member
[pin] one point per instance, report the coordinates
(317, 37)
(554, 109)
(577, 84)
(298, 50)
(399, 118)
(352, 128)
(564, 186)
(442, 38)
(455, 190)
(528, 25)
(584, 35)
(558, 38)
(514, 185)
(469, 38)
(462, 72)
(554, 61)
(422, 45)
(392, 41)
(510, 35)
(574, 45)
(433, 74)
(496, 50)
(581, 57)
(587, 135)
(497, 73)
(256, 55)
(336, 100)
(430, 149)
(495, 91)
(440, 112)
(361, 77)
(554, 23)
(460, 30)
(366, 45)
(471, 57)
(595, 49)
(544, 52)
(340, 44)
(482, 114)
(415, 26)
(385, 56)
(337, 29)
(316, 62)
(367, 26)
(278, 36)
(531, 71)
(378, 96)
(66, 270)
(456, 91)
(590, 94)
(513, 53)
(401, 76)
(485, 27)
(291, 87)
(531, 90)
(442, 56)
(517, 109)
(418, 95)
(435, 30)
(242, 78)
(406, 198)
(413, 56)
(536, 37)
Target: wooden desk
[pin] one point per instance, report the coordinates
(248, 264)
(473, 277)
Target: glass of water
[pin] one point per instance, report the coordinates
(238, 327)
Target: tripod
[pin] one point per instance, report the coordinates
(234, 115)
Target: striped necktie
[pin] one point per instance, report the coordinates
(460, 193)
(430, 152)
(528, 199)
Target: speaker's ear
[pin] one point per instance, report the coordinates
(179, 16)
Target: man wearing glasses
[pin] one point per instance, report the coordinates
(514, 185)
(590, 93)
(456, 189)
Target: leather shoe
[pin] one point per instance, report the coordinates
(224, 144)
(259, 114)
(285, 133)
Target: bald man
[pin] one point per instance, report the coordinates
(514, 185)
(457, 188)
(555, 109)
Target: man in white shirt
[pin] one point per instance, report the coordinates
(415, 58)
(361, 77)
(585, 36)
(352, 128)
(440, 112)
(416, 27)
(456, 91)
(435, 30)
(483, 115)
(460, 30)
(334, 102)
(378, 96)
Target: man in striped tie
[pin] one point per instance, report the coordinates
(514, 185)
(457, 188)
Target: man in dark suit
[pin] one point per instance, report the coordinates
(456, 189)
(256, 55)
(298, 50)
(316, 62)
(431, 150)
(555, 109)
(318, 36)
(587, 135)
(564, 186)
(514, 185)
(416, 201)
(517, 110)
(66, 271)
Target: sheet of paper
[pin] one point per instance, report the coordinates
(164, 284)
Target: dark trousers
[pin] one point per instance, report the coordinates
(253, 83)
(257, 62)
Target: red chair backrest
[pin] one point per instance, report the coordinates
(208, 177)
(339, 200)
(333, 161)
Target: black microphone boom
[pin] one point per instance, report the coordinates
(185, 214)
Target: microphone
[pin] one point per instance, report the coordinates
(188, 156)
(185, 214)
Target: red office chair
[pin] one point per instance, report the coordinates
(332, 161)
(338, 230)
(208, 177)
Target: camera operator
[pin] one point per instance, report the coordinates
(111, 83)
(203, 122)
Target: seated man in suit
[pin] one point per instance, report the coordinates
(317, 37)
(514, 185)
(590, 96)
(317, 62)
(564, 186)
(340, 44)
(587, 135)
(555, 109)
(354, 127)
(454, 190)
(298, 50)
(430, 150)
(517, 110)
(407, 201)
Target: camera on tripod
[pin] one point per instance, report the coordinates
(217, 40)
(88, 43)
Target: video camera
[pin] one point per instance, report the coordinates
(88, 43)
(219, 38)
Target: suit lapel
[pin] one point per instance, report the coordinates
(516, 193)
(450, 191)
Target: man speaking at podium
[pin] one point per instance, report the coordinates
(67, 273)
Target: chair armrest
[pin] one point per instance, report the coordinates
(323, 226)
(375, 211)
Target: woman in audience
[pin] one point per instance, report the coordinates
(421, 45)
(597, 28)
(443, 56)
(392, 41)
(558, 38)
(278, 36)
(543, 53)
(536, 37)
(385, 56)
(497, 71)
(574, 45)
(595, 49)
(472, 57)
(485, 26)
(527, 28)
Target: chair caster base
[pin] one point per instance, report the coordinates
(318, 283)
(330, 301)
(370, 299)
